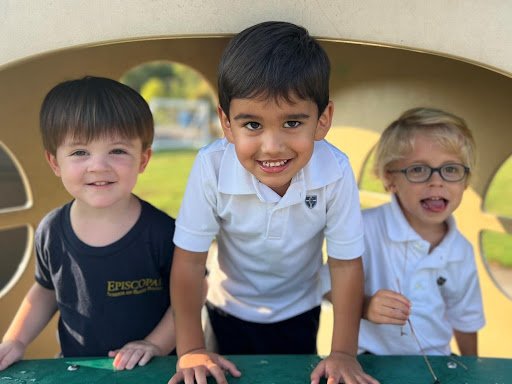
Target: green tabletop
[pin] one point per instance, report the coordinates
(268, 369)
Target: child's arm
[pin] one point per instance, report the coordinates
(347, 299)
(467, 342)
(36, 310)
(386, 307)
(187, 275)
(160, 342)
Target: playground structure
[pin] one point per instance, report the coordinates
(385, 58)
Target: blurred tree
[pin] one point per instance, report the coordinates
(167, 79)
(153, 87)
(138, 76)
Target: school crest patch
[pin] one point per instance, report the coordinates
(310, 201)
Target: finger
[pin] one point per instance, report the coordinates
(229, 366)
(387, 294)
(134, 358)
(369, 379)
(333, 380)
(317, 373)
(218, 374)
(113, 353)
(200, 374)
(121, 358)
(188, 376)
(176, 378)
(145, 358)
(395, 314)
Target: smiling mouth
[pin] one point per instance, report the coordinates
(273, 164)
(100, 183)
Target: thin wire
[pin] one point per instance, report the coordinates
(413, 333)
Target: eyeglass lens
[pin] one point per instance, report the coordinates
(448, 172)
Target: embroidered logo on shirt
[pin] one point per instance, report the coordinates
(441, 280)
(310, 201)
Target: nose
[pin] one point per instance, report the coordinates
(272, 143)
(97, 163)
(435, 177)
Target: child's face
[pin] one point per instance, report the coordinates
(426, 205)
(274, 140)
(100, 173)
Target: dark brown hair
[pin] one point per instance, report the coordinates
(91, 108)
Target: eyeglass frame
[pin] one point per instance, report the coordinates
(432, 170)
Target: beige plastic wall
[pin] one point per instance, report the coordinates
(44, 43)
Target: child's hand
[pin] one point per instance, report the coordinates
(387, 307)
(134, 353)
(341, 367)
(10, 352)
(199, 364)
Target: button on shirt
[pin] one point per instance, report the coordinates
(442, 285)
(269, 247)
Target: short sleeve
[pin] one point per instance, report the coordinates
(465, 312)
(43, 268)
(197, 223)
(344, 228)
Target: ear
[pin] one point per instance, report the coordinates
(226, 124)
(144, 159)
(324, 122)
(389, 183)
(52, 161)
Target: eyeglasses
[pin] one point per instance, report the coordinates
(420, 173)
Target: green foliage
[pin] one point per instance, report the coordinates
(138, 76)
(498, 196)
(167, 79)
(154, 87)
(497, 248)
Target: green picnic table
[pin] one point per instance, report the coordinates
(264, 369)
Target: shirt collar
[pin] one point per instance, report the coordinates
(399, 230)
(322, 169)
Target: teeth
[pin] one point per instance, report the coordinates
(274, 163)
(100, 183)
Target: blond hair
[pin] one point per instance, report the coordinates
(450, 131)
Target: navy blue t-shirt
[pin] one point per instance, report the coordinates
(107, 296)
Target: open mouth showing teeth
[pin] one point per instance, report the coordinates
(100, 183)
(270, 164)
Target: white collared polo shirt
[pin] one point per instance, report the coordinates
(269, 247)
(442, 285)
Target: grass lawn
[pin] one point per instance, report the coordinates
(164, 181)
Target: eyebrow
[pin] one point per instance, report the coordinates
(294, 116)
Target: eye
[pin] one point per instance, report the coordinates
(292, 124)
(417, 169)
(118, 151)
(452, 169)
(252, 125)
(79, 152)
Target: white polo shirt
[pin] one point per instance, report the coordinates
(442, 286)
(269, 247)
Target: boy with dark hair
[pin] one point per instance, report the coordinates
(104, 259)
(269, 192)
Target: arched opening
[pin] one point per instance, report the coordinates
(496, 247)
(184, 110)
